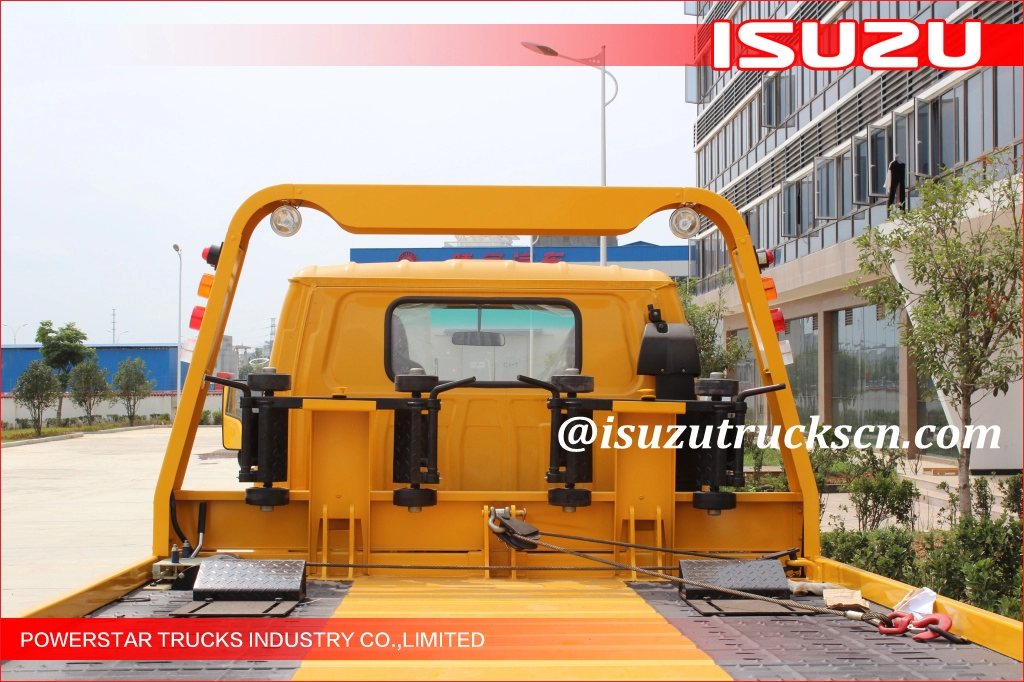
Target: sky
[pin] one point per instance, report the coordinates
(104, 166)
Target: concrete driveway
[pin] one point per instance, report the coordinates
(75, 510)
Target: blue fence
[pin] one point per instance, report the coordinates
(159, 359)
(631, 253)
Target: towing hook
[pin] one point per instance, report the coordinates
(492, 521)
(504, 513)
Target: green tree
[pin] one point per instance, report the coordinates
(88, 384)
(63, 349)
(130, 386)
(706, 323)
(964, 288)
(37, 389)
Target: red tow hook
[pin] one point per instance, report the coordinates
(900, 623)
(941, 623)
(924, 629)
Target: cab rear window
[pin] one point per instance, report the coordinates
(493, 340)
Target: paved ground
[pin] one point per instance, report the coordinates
(73, 511)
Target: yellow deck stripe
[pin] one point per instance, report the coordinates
(619, 636)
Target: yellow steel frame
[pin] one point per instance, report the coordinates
(384, 209)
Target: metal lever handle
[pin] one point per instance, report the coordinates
(770, 388)
(441, 388)
(539, 384)
(230, 383)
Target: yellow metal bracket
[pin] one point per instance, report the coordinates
(437, 209)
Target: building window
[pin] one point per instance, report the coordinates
(860, 170)
(900, 148)
(824, 188)
(878, 160)
(923, 123)
(1005, 100)
(790, 209)
(865, 368)
(845, 184)
(948, 134)
(751, 218)
(974, 126)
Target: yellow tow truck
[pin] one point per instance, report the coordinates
(418, 448)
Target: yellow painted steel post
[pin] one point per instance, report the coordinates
(351, 540)
(632, 539)
(769, 357)
(512, 551)
(327, 527)
(487, 542)
(657, 535)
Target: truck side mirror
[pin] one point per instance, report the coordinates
(231, 423)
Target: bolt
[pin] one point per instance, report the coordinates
(572, 372)
(418, 371)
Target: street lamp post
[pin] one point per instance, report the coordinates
(597, 62)
(14, 331)
(120, 334)
(177, 356)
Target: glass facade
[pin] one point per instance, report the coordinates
(802, 334)
(748, 376)
(929, 412)
(843, 194)
(814, 203)
(805, 156)
(865, 368)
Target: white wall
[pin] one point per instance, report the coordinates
(155, 404)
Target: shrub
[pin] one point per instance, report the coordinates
(877, 492)
(205, 418)
(982, 494)
(977, 561)
(217, 418)
(1011, 490)
(886, 551)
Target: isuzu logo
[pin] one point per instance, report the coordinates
(877, 44)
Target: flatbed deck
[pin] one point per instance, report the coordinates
(616, 630)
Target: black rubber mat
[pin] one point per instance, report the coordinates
(821, 647)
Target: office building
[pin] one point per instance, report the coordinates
(804, 155)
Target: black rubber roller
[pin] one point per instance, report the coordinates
(569, 498)
(266, 497)
(714, 501)
(414, 498)
(270, 381)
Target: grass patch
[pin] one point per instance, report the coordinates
(13, 435)
(770, 458)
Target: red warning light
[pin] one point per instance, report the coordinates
(778, 320)
(197, 317)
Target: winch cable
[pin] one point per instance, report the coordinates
(447, 567)
(669, 550)
(869, 617)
